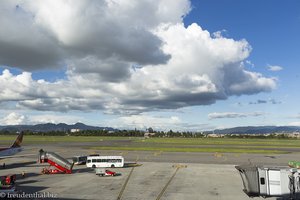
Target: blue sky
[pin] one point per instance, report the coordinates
(272, 29)
(225, 63)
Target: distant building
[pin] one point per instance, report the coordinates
(147, 134)
(214, 135)
(74, 130)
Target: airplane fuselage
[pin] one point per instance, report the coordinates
(10, 151)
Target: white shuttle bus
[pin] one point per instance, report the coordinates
(105, 161)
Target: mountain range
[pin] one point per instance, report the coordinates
(51, 127)
(65, 127)
(257, 130)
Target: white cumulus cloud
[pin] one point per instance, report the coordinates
(14, 119)
(275, 68)
(123, 57)
(158, 123)
(294, 123)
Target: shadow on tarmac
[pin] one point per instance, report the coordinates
(127, 165)
(26, 175)
(17, 165)
(83, 170)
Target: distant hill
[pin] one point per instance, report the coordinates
(65, 127)
(258, 130)
(52, 127)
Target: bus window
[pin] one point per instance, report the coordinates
(94, 160)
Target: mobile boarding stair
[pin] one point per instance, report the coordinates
(60, 164)
(270, 181)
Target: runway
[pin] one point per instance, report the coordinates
(162, 175)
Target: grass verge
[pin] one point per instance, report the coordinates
(29, 139)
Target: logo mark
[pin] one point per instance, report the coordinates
(2, 194)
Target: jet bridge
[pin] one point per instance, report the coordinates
(270, 181)
(61, 164)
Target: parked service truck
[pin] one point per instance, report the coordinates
(270, 181)
(104, 172)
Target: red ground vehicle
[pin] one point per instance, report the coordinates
(8, 179)
(104, 172)
(7, 185)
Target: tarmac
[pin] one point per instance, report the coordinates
(160, 176)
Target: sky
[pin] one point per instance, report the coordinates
(169, 64)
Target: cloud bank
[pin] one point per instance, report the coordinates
(262, 101)
(233, 115)
(124, 57)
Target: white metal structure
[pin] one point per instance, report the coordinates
(105, 161)
(79, 160)
(270, 181)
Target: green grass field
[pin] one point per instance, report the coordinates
(222, 145)
(28, 139)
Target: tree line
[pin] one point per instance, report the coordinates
(140, 133)
(117, 133)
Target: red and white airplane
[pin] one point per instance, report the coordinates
(13, 149)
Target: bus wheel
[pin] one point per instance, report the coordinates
(94, 166)
(112, 166)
